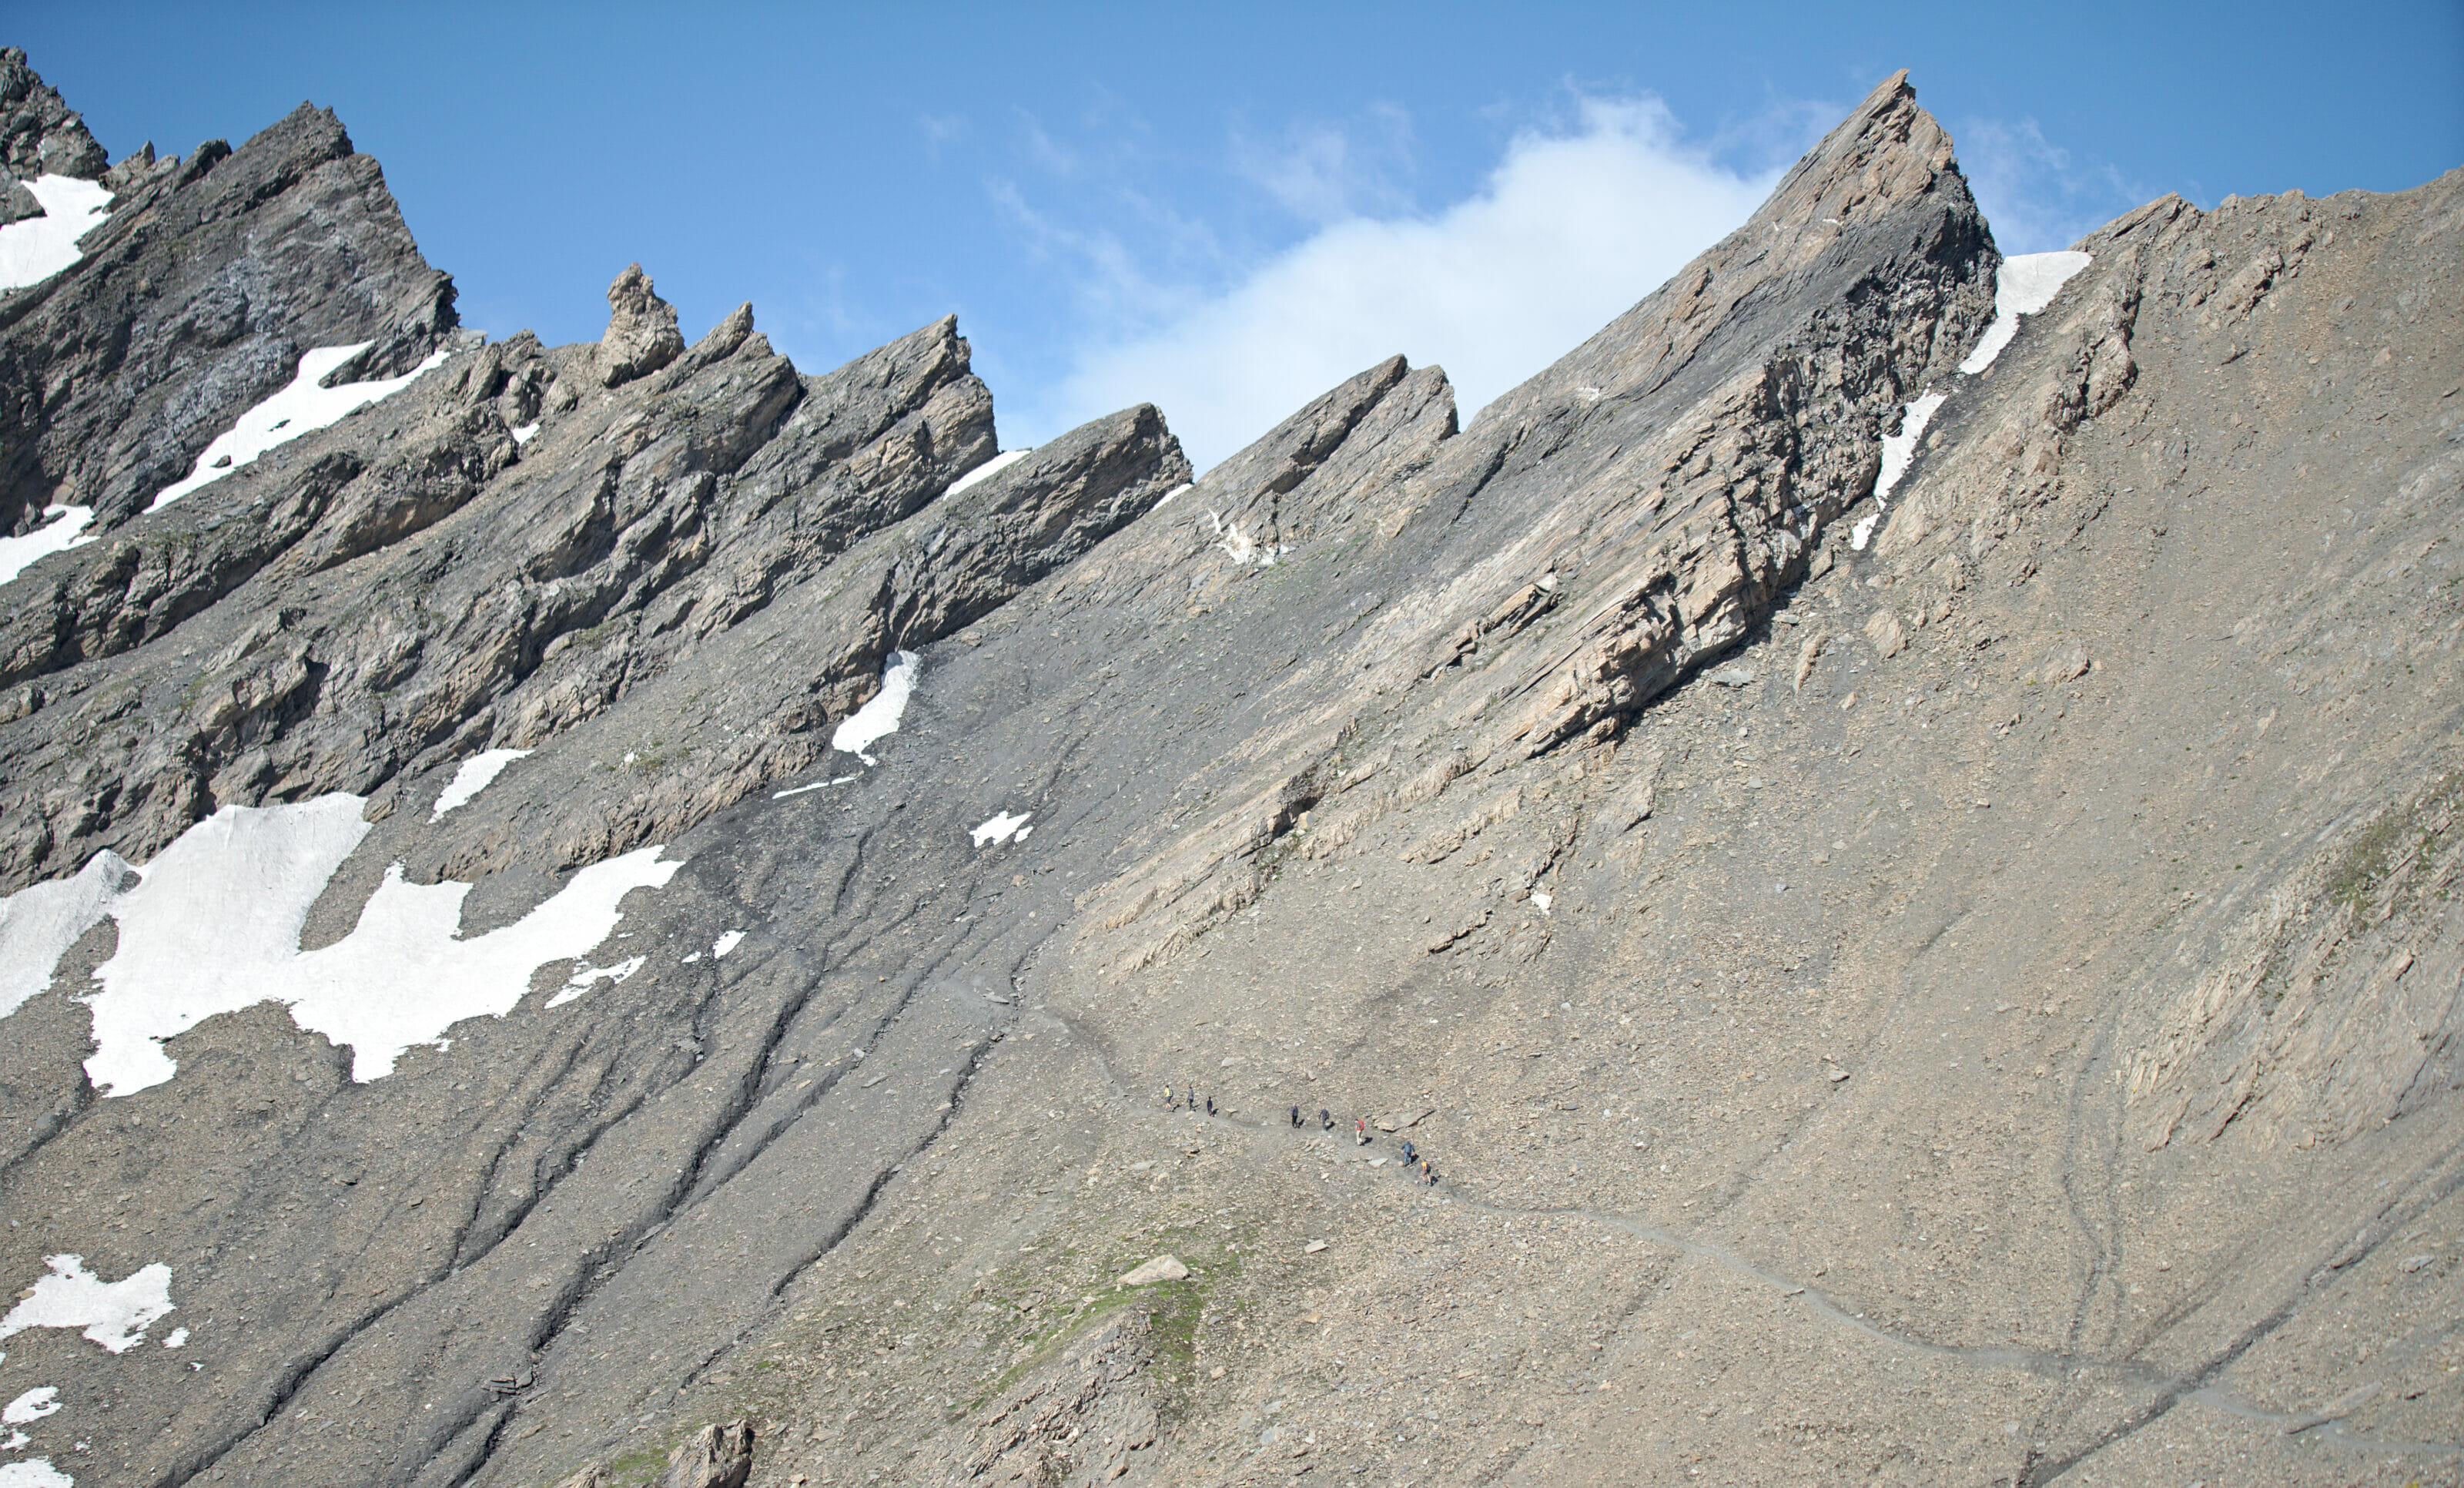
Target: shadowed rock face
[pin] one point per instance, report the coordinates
(1977, 1001)
(40, 136)
(196, 301)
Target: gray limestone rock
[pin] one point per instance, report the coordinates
(715, 1456)
(642, 335)
(1383, 771)
(40, 136)
(195, 300)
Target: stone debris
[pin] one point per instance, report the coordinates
(1162, 1268)
(715, 1456)
(1889, 638)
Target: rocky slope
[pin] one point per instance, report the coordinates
(1916, 932)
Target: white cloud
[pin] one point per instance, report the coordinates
(2036, 195)
(1568, 230)
(1324, 173)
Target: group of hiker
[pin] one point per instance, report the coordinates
(1414, 1163)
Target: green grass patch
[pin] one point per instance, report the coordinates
(2359, 878)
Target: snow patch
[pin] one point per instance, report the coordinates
(819, 785)
(213, 925)
(1900, 449)
(474, 777)
(726, 943)
(298, 408)
(34, 1473)
(18, 553)
(1541, 900)
(1174, 491)
(176, 1337)
(879, 718)
(527, 433)
(585, 976)
(114, 1314)
(1236, 543)
(1002, 827)
(1863, 532)
(30, 1406)
(2024, 285)
(37, 248)
(40, 923)
(987, 470)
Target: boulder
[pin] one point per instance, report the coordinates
(1164, 1268)
(715, 1456)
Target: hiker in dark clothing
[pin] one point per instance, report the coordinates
(1408, 1155)
(1296, 1116)
(1325, 1121)
(1210, 1105)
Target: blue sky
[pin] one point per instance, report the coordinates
(1225, 209)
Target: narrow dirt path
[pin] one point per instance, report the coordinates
(2162, 1391)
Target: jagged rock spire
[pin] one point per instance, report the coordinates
(642, 335)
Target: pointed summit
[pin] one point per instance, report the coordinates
(1886, 155)
(1879, 199)
(40, 136)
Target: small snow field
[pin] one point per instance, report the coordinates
(1900, 449)
(585, 977)
(526, 433)
(113, 1314)
(719, 948)
(474, 776)
(1002, 827)
(34, 1473)
(301, 407)
(30, 1406)
(986, 471)
(878, 718)
(819, 785)
(212, 924)
(2024, 285)
(39, 923)
(1166, 498)
(37, 248)
(67, 530)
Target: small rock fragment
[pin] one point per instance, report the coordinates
(1806, 656)
(1162, 1268)
(715, 1456)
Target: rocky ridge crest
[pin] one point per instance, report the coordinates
(1958, 981)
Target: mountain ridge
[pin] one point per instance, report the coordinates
(1731, 900)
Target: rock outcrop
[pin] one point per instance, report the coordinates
(40, 136)
(642, 335)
